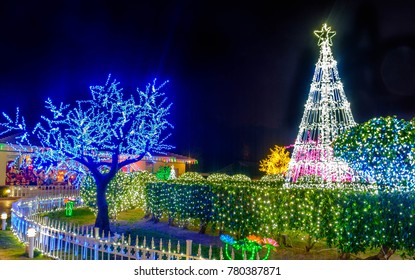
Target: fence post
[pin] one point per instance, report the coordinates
(96, 250)
(31, 232)
(3, 220)
(96, 235)
(188, 249)
(11, 191)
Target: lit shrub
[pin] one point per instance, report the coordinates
(191, 176)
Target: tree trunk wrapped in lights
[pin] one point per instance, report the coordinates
(327, 114)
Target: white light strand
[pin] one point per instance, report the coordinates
(327, 113)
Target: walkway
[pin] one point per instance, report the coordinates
(170, 232)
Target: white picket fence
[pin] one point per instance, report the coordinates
(46, 190)
(67, 241)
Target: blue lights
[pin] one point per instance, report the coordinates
(97, 136)
(381, 150)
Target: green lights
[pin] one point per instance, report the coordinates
(352, 217)
(125, 191)
(69, 203)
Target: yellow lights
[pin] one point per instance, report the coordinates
(325, 34)
(276, 162)
(61, 176)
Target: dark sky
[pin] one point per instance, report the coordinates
(239, 72)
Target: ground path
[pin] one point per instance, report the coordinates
(171, 232)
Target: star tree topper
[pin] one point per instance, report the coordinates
(325, 34)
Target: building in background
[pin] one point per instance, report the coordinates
(14, 175)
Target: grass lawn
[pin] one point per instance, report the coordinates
(12, 249)
(84, 216)
(81, 216)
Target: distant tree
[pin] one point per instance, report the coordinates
(98, 136)
(380, 150)
(276, 162)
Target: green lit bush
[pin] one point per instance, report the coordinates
(352, 217)
(163, 173)
(240, 178)
(125, 191)
(180, 201)
(273, 177)
(349, 216)
(191, 177)
(217, 177)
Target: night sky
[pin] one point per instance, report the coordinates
(239, 72)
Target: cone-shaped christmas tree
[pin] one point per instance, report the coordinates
(327, 114)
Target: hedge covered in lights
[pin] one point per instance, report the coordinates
(217, 177)
(180, 201)
(191, 177)
(351, 217)
(125, 191)
(381, 150)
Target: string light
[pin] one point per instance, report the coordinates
(381, 150)
(276, 162)
(350, 216)
(273, 177)
(218, 177)
(327, 113)
(191, 176)
(124, 192)
(240, 178)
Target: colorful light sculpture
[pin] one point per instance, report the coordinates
(69, 203)
(327, 114)
(251, 244)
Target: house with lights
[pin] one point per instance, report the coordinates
(12, 175)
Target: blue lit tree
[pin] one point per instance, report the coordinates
(97, 136)
(381, 150)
